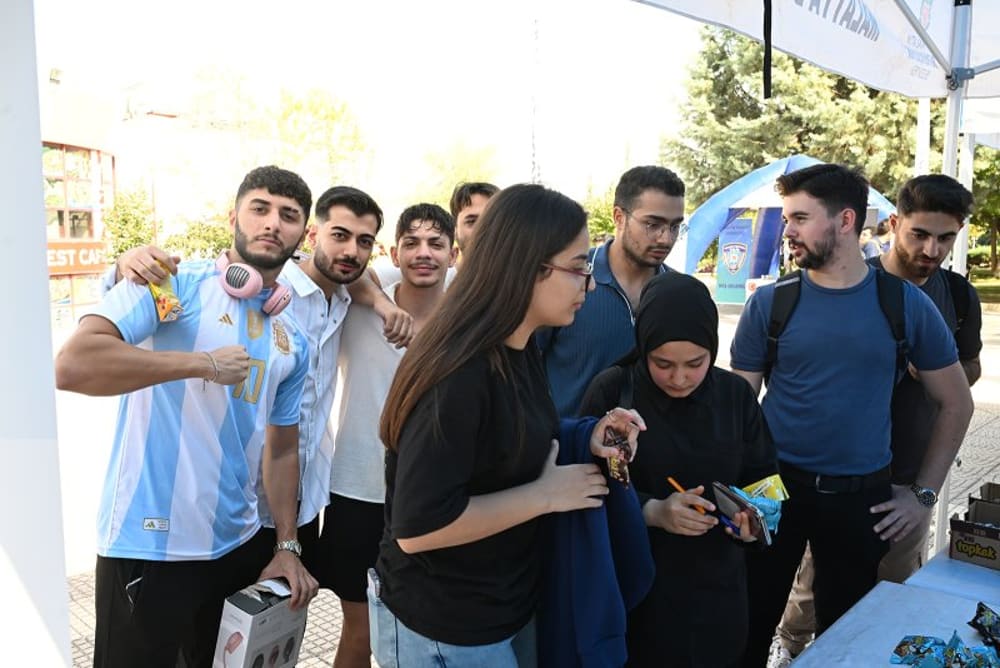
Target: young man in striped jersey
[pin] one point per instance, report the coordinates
(208, 419)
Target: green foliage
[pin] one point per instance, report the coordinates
(986, 217)
(203, 240)
(453, 165)
(988, 287)
(728, 129)
(600, 213)
(978, 257)
(317, 136)
(129, 223)
(706, 265)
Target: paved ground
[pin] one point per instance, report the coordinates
(84, 453)
(322, 629)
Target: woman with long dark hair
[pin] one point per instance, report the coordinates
(470, 426)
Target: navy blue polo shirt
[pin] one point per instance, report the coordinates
(602, 333)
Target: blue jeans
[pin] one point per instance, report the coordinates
(396, 646)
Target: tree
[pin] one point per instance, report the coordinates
(451, 166)
(986, 189)
(600, 213)
(129, 223)
(202, 240)
(319, 135)
(728, 129)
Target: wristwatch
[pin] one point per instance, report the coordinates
(295, 547)
(925, 495)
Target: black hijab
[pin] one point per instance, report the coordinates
(676, 307)
(672, 307)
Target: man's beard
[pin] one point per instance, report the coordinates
(260, 260)
(324, 266)
(818, 257)
(639, 259)
(912, 266)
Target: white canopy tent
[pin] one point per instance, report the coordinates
(919, 48)
(982, 120)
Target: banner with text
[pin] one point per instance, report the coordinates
(733, 267)
(870, 41)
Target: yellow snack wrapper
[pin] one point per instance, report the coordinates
(168, 304)
(770, 487)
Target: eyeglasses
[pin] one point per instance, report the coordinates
(655, 230)
(587, 272)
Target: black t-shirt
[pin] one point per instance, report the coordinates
(913, 412)
(477, 432)
(696, 612)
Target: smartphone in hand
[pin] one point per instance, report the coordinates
(729, 503)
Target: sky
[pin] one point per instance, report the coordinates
(600, 84)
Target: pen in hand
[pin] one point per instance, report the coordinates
(673, 483)
(722, 518)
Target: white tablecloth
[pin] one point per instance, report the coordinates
(942, 573)
(866, 635)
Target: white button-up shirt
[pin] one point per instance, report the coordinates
(320, 322)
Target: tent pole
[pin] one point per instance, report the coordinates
(961, 35)
(952, 127)
(922, 161)
(966, 158)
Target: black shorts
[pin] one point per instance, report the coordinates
(348, 546)
(149, 613)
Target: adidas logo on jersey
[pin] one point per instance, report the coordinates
(225, 319)
(156, 524)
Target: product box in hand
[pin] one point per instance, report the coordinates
(258, 629)
(976, 538)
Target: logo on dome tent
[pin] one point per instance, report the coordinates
(734, 254)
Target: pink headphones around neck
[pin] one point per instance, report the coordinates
(244, 282)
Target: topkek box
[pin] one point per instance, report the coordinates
(976, 539)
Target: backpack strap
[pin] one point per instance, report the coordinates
(959, 295)
(786, 297)
(890, 300)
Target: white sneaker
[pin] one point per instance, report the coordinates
(779, 657)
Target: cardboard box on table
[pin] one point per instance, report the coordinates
(976, 538)
(258, 629)
(990, 491)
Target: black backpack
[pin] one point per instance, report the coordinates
(890, 299)
(959, 296)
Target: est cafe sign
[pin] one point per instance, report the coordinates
(76, 257)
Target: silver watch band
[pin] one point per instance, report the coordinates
(292, 546)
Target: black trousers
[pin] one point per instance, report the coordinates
(846, 553)
(166, 613)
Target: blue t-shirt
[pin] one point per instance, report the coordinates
(828, 398)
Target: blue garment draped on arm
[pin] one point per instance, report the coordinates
(597, 565)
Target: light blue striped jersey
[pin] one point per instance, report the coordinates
(185, 471)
